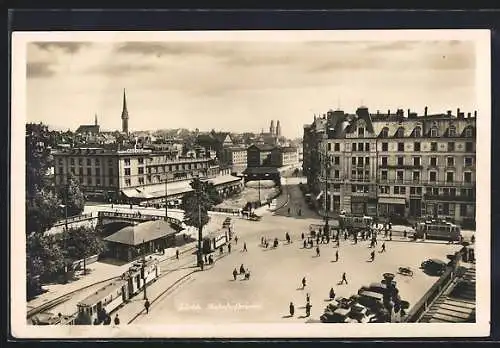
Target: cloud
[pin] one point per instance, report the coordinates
(120, 69)
(175, 48)
(39, 69)
(68, 47)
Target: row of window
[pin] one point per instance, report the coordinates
(97, 161)
(450, 176)
(364, 147)
(435, 191)
(89, 182)
(417, 132)
(433, 161)
(155, 179)
(97, 171)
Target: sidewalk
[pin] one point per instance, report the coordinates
(96, 272)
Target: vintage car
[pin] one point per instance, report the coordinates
(434, 267)
(360, 314)
(337, 316)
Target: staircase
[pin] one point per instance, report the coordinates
(457, 304)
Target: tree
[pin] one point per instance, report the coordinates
(72, 196)
(44, 256)
(81, 243)
(42, 211)
(196, 205)
(38, 156)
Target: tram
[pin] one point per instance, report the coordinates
(355, 223)
(97, 307)
(438, 229)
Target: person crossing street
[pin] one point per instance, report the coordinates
(292, 309)
(337, 256)
(344, 279)
(146, 306)
(383, 248)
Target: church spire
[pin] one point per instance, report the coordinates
(124, 114)
(95, 119)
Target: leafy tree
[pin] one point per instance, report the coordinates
(44, 256)
(196, 205)
(42, 211)
(81, 243)
(72, 196)
(38, 156)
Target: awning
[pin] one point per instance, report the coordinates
(391, 200)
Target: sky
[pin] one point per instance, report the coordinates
(241, 86)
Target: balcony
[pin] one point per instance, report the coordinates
(401, 166)
(449, 198)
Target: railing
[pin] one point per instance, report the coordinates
(73, 219)
(435, 291)
(140, 217)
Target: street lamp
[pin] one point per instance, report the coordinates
(65, 207)
(144, 268)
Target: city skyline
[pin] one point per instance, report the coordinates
(241, 86)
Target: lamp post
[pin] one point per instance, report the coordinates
(144, 268)
(325, 159)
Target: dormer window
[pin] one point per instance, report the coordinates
(468, 132)
(385, 132)
(452, 131)
(417, 132)
(361, 132)
(434, 132)
(400, 133)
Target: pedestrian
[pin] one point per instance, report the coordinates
(383, 248)
(472, 239)
(336, 256)
(305, 243)
(344, 279)
(303, 282)
(317, 240)
(245, 246)
(288, 211)
(308, 297)
(235, 273)
(117, 320)
(111, 205)
(308, 309)
(302, 235)
(262, 240)
(372, 256)
(332, 294)
(236, 240)
(345, 235)
(405, 233)
(147, 305)
(390, 234)
(338, 242)
(229, 247)
(317, 251)
(292, 309)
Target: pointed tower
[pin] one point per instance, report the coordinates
(271, 128)
(278, 128)
(124, 114)
(95, 120)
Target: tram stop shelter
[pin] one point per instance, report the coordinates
(132, 242)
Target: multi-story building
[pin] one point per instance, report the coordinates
(259, 155)
(394, 164)
(108, 174)
(236, 158)
(284, 156)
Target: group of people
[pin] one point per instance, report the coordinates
(243, 271)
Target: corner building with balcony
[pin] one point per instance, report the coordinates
(395, 164)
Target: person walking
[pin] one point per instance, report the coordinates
(292, 309)
(245, 246)
(262, 240)
(344, 279)
(305, 244)
(308, 297)
(117, 320)
(332, 294)
(390, 234)
(177, 254)
(302, 235)
(236, 240)
(372, 256)
(338, 242)
(304, 282)
(336, 256)
(235, 273)
(229, 248)
(147, 305)
(308, 309)
(317, 251)
(383, 248)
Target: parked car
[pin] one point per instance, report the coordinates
(360, 314)
(379, 288)
(337, 316)
(434, 267)
(370, 299)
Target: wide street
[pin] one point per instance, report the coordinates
(213, 296)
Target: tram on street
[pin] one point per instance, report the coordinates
(97, 307)
(355, 223)
(438, 229)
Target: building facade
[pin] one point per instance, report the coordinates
(259, 155)
(394, 164)
(104, 174)
(284, 156)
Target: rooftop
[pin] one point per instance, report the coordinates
(141, 233)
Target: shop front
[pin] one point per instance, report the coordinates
(389, 206)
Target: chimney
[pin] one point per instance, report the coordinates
(448, 113)
(425, 111)
(458, 111)
(409, 111)
(475, 114)
(389, 112)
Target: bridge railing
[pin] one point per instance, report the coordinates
(138, 217)
(73, 219)
(421, 307)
